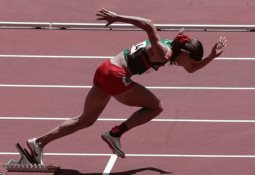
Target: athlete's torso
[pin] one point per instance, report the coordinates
(139, 61)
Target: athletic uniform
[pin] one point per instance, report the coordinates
(114, 80)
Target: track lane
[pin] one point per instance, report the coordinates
(220, 73)
(41, 42)
(198, 104)
(153, 138)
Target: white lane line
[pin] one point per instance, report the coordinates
(191, 155)
(62, 154)
(236, 58)
(56, 56)
(102, 57)
(123, 119)
(33, 118)
(200, 88)
(145, 155)
(110, 164)
(44, 86)
(149, 87)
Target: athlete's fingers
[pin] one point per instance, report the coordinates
(98, 14)
(223, 40)
(100, 19)
(104, 11)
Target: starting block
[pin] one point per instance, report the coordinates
(27, 163)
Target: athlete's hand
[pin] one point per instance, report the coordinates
(107, 15)
(219, 47)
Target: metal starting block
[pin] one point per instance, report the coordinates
(27, 163)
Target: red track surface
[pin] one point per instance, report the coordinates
(164, 138)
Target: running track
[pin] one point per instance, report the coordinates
(207, 126)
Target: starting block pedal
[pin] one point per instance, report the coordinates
(27, 163)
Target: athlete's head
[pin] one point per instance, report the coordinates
(182, 46)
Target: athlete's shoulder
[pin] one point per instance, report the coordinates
(167, 42)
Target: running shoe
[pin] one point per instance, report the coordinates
(36, 151)
(114, 144)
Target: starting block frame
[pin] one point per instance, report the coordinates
(27, 163)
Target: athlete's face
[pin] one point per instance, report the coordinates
(184, 59)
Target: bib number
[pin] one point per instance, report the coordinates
(138, 46)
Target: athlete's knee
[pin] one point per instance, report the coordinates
(82, 122)
(158, 107)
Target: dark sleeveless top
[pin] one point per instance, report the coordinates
(138, 61)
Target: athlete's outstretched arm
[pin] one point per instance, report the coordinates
(142, 23)
(217, 50)
(112, 17)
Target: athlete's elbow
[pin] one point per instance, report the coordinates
(191, 70)
(149, 22)
(148, 25)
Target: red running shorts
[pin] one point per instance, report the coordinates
(112, 79)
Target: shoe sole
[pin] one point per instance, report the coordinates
(115, 151)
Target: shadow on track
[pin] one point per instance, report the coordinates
(129, 172)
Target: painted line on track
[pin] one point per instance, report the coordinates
(149, 87)
(102, 57)
(144, 155)
(56, 56)
(123, 119)
(110, 164)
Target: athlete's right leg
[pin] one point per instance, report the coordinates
(95, 103)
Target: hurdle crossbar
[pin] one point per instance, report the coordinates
(118, 26)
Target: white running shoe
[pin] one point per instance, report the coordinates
(114, 144)
(36, 151)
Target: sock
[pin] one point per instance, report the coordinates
(117, 131)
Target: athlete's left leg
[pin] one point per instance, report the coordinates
(140, 96)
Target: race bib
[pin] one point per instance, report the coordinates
(138, 46)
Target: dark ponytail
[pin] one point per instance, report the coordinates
(193, 46)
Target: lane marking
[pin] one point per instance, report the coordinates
(144, 155)
(110, 164)
(56, 56)
(45, 86)
(191, 155)
(123, 119)
(236, 58)
(103, 57)
(149, 87)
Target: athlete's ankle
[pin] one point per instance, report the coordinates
(39, 143)
(117, 131)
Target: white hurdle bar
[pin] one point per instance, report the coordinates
(101, 26)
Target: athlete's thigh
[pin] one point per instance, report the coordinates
(95, 103)
(138, 95)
